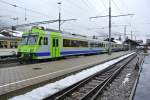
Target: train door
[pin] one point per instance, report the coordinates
(55, 46)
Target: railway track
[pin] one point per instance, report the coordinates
(91, 87)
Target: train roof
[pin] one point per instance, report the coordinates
(76, 36)
(70, 35)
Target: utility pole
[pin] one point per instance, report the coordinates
(131, 35)
(130, 42)
(59, 3)
(125, 29)
(25, 18)
(110, 16)
(109, 48)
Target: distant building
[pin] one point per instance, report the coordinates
(10, 33)
(148, 41)
(132, 44)
(139, 41)
(9, 38)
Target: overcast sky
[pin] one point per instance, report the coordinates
(42, 10)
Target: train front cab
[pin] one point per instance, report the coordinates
(29, 45)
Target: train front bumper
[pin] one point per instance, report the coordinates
(26, 56)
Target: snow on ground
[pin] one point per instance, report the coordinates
(126, 79)
(49, 89)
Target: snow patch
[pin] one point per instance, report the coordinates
(2, 35)
(17, 33)
(126, 79)
(117, 41)
(49, 89)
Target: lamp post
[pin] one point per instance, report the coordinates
(59, 8)
(109, 48)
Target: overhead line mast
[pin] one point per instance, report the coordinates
(109, 48)
(59, 3)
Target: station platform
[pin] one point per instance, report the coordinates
(143, 87)
(14, 78)
(7, 52)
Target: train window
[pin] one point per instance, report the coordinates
(98, 44)
(41, 41)
(66, 43)
(74, 43)
(83, 44)
(102, 44)
(32, 39)
(56, 42)
(94, 44)
(24, 40)
(45, 42)
(91, 44)
(106, 45)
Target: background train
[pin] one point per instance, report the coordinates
(9, 42)
(40, 43)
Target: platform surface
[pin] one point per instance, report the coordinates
(14, 78)
(143, 87)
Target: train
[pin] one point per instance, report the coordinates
(9, 42)
(39, 43)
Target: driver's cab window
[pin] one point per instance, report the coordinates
(41, 41)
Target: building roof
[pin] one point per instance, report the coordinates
(128, 41)
(9, 38)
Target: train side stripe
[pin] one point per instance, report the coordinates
(63, 53)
